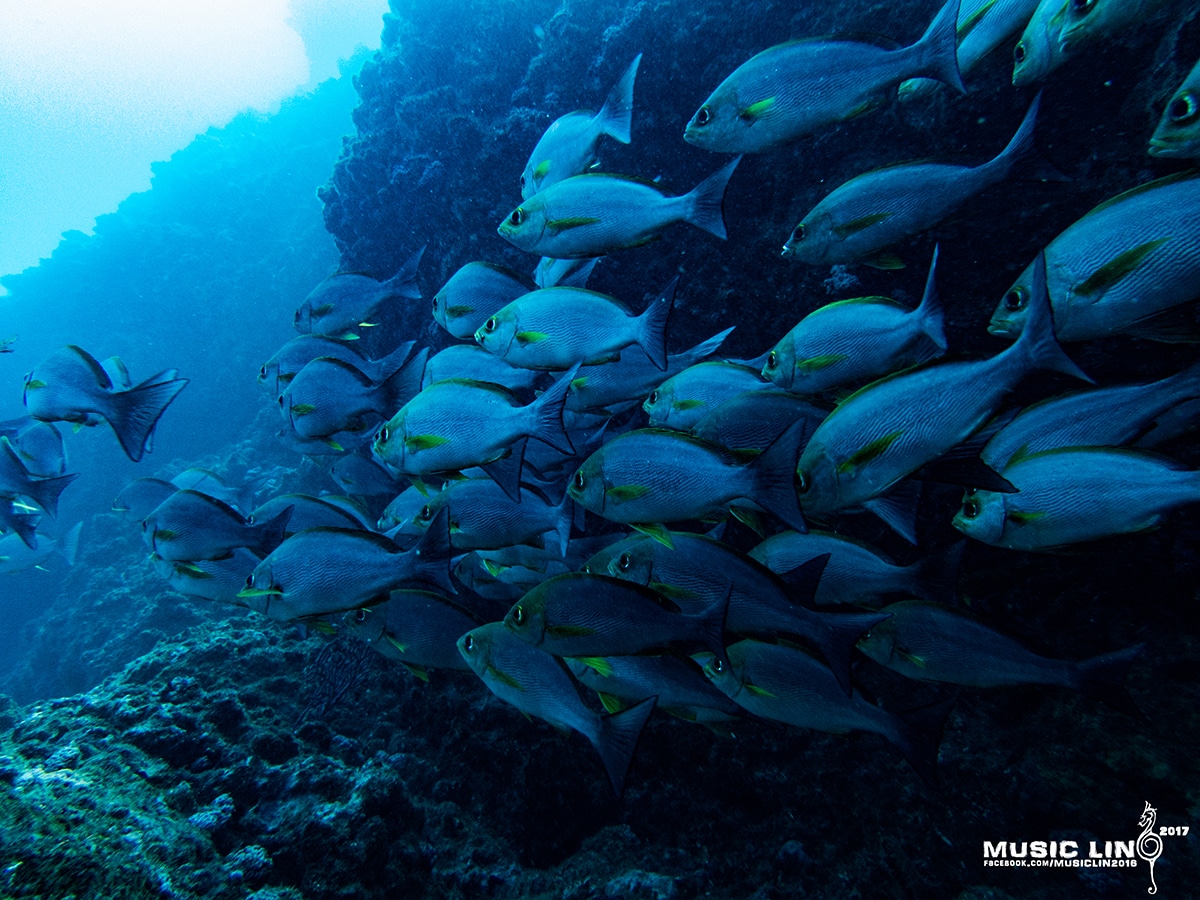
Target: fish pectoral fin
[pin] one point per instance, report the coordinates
(403, 648)
(525, 338)
(368, 324)
(505, 678)
(656, 530)
(303, 409)
(542, 169)
(417, 671)
(622, 493)
(750, 518)
(1117, 268)
(907, 655)
(870, 451)
(862, 223)
(458, 311)
(684, 405)
(817, 363)
(1023, 518)
(557, 226)
(420, 442)
(886, 261)
(597, 664)
(756, 111)
(756, 690)
(610, 703)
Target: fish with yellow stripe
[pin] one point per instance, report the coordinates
(1124, 268)
(796, 88)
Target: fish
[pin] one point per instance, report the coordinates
(857, 573)
(71, 386)
(851, 342)
(219, 580)
(363, 476)
(696, 571)
(1039, 52)
(888, 429)
(568, 147)
(472, 362)
(39, 447)
(1074, 494)
(502, 583)
(458, 424)
(17, 555)
(983, 25)
(786, 684)
(685, 398)
(678, 683)
(539, 684)
(652, 476)
(16, 482)
(750, 422)
(342, 305)
(556, 328)
(141, 497)
(288, 360)
(329, 396)
(797, 88)
(927, 642)
(401, 509)
(1121, 269)
(860, 219)
(589, 615)
(1177, 135)
(189, 526)
(484, 517)
(551, 272)
(1101, 417)
(323, 571)
(633, 376)
(418, 629)
(474, 292)
(17, 519)
(598, 213)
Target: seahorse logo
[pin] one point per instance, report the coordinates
(1149, 844)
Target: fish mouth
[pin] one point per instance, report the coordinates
(1004, 329)
(1166, 148)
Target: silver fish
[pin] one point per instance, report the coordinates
(873, 211)
(341, 306)
(473, 293)
(684, 399)
(597, 213)
(1121, 268)
(796, 88)
(568, 146)
(1038, 52)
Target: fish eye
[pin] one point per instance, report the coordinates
(435, 303)
(1082, 6)
(579, 480)
(469, 643)
(490, 324)
(772, 360)
(522, 181)
(280, 399)
(518, 614)
(1184, 109)
(624, 561)
(517, 217)
(799, 234)
(426, 513)
(382, 437)
(1019, 53)
(717, 666)
(653, 397)
(1016, 299)
(971, 508)
(703, 116)
(262, 371)
(249, 578)
(360, 615)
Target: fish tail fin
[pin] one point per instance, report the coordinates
(432, 553)
(1022, 150)
(564, 519)
(652, 325)
(26, 529)
(938, 48)
(616, 115)
(405, 382)
(917, 735)
(931, 314)
(841, 634)
(775, 475)
(576, 277)
(935, 578)
(705, 201)
(547, 411)
(404, 282)
(616, 739)
(272, 532)
(1037, 340)
(69, 546)
(135, 412)
(46, 491)
(1104, 677)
